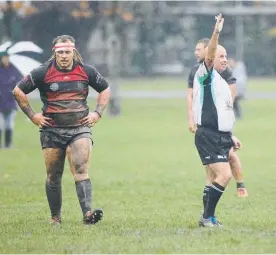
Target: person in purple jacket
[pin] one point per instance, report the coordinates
(9, 76)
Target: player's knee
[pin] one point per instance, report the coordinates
(8, 125)
(81, 172)
(80, 177)
(232, 156)
(81, 168)
(54, 179)
(225, 177)
(228, 176)
(9, 121)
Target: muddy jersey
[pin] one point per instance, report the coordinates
(64, 92)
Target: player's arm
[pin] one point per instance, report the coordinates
(227, 75)
(22, 88)
(190, 101)
(212, 46)
(100, 84)
(102, 101)
(233, 89)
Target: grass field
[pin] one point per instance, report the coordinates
(148, 179)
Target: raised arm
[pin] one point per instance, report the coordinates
(212, 46)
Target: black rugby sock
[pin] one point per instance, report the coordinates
(84, 192)
(54, 196)
(214, 194)
(240, 185)
(205, 195)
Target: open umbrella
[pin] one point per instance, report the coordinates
(16, 51)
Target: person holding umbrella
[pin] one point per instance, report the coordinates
(14, 64)
(9, 76)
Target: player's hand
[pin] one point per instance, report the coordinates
(219, 23)
(40, 120)
(90, 120)
(237, 143)
(192, 126)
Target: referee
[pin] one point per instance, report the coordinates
(214, 116)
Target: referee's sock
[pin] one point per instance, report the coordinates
(214, 194)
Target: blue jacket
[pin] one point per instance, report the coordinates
(9, 76)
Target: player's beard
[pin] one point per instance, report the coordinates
(64, 64)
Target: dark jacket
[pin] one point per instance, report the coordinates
(9, 76)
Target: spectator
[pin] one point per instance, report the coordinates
(9, 76)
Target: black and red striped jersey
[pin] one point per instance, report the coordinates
(64, 92)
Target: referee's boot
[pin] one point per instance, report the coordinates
(210, 222)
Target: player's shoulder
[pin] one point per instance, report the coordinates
(228, 76)
(194, 68)
(88, 67)
(42, 69)
(226, 73)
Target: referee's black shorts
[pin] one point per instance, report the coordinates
(213, 146)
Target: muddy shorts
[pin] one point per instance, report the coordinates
(62, 137)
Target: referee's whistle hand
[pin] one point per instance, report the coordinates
(237, 143)
(192, 126)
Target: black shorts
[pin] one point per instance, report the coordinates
(62, 137)
(213, 146)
